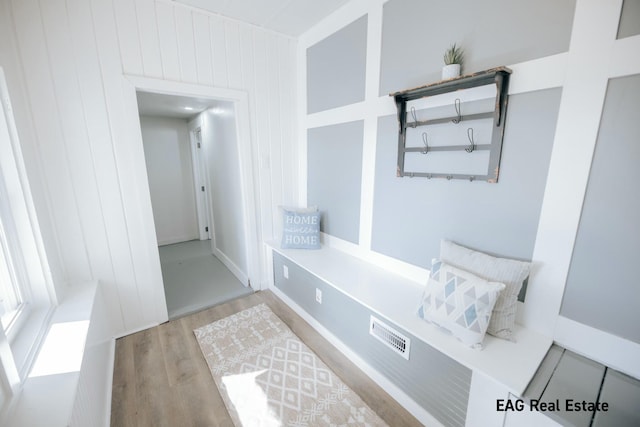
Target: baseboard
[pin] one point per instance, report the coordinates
(394, 391)
(235, 270)
(136, 330)
(111, 363)
(175, 240)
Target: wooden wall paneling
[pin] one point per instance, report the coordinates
(218, 51)
(247, 55)
(32, 160)
(168, 41)
(149, 38)
(286, 54)
(275, 117)
(186, 45)
(30, 39)
(74, 133)
(261, 126)
(202, 49)
(232, 46)
(128, 36)
(99, 137)
(137, 203)
(111, 70)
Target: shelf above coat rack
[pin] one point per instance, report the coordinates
(408, 119)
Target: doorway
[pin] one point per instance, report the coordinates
(193, 150)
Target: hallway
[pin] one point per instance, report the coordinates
(194, 279)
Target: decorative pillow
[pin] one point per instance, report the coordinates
(508, 271)
(301, 229)
(459, 302)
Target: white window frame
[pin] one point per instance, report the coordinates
(23, 243)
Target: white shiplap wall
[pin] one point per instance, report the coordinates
(84, 150)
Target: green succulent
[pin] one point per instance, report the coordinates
(453, 55)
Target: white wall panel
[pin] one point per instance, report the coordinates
(74, 58)
(168, 42)
(232, 45)
(218, 51)
(186, 45)
(149, 42)
(99, 136)
(128, 36)
(29, 148)
(74, 132)
(111, 76)
(262, 124)
(30, 39)
(202, 41)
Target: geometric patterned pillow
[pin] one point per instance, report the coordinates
(459, 302)
(511, 272)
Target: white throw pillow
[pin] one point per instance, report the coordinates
(508, 271)
(459, 302)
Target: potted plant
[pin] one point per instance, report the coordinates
(452, 62)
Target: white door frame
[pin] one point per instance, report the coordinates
(240, 100)
(199, 180)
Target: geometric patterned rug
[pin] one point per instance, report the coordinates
(267, 377)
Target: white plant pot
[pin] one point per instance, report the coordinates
(450, 71)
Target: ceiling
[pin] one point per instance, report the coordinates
(291, 17)
(180, 107)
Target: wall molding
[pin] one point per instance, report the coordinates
(613, 351)
(583, 72)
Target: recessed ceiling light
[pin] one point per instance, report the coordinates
(188, 108)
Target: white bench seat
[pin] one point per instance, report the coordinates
(396, 298)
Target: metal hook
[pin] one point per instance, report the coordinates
(425, 142)
(456, 105)
(413, 114)
(471, 178)
(471, 147)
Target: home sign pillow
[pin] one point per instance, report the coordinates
(300, 229)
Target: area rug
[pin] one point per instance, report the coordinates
(268, 377)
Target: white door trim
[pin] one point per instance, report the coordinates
(240, 100)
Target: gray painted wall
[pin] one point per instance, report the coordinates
(436, 382)
(602, 287)
(336, 68)
(629, 19)
(335, 176)
(411, 215)
(417, 32)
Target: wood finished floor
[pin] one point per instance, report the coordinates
(160, 377)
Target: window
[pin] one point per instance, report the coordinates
(10, 298)
(26, 291)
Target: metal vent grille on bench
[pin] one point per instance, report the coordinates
(390, 337)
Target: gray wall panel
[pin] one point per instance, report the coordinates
(602, 287)
(336, 68)
(411, 215)
(410, 57)
(433, 380)
(629, 19)
(334, 159)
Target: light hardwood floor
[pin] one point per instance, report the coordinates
(161, 378)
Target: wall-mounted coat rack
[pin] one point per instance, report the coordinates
(416, 117)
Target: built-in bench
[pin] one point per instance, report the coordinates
(350, 284)
(70, 382)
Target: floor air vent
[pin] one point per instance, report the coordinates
(390, 337)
